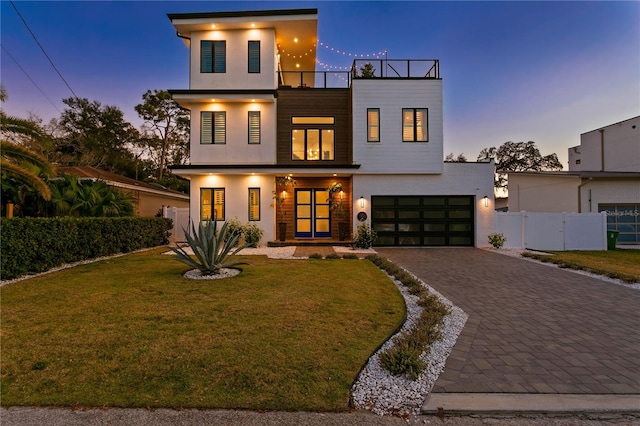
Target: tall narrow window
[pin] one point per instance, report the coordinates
(254, 56)
(213, 56)
(254, 204)
(415, 125)
(211, 203)
(213, 127)
(254, 127)
(373, 124)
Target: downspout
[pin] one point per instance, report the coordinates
(601, 150)
(181, 36)
(580, 193)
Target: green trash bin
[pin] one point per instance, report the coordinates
(612, 236)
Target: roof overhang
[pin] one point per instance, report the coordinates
(265, 169)
(186, 98)
(295, 30)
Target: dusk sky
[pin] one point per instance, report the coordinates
(519, 71)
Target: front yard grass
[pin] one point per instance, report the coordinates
(620, 264)
(131, 332)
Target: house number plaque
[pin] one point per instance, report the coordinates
(362, 216)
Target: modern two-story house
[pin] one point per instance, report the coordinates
(261, 115)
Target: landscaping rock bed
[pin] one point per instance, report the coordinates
(382, 393)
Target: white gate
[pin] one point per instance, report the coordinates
(180, 218)
(553, 231)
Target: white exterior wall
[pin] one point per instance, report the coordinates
(391, 155)
(621, 149)
(542, 193)
(604, 191)
(237, 74)
(458, 179)
(237, 150)
(237, 199)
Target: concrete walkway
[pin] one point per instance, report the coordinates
(532, 328)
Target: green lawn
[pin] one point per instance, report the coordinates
(131, 332)
(621, 264)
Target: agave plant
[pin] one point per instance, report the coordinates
(212, 248)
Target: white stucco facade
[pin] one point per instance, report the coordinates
(613, 148)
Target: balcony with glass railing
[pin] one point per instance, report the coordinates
(362, 69)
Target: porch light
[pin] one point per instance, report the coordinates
(341, 194)
(362, 202)
(284, 195)
(485, 201)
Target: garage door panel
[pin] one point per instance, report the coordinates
(423, 220)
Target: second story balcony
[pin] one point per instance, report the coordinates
(361, 69)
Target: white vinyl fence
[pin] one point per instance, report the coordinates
(180, 218)
(553, 231)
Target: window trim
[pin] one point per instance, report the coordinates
(259, 116)
(415, 127)
(213, 118)
(213, 203)
(369, 126)
(320, 132)
(249, 56)
(251, 219)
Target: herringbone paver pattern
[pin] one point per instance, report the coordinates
(532, 328)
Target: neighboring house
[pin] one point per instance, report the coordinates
(149, 198)
(260, 111)
(604, 175)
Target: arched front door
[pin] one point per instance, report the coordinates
(312, 213)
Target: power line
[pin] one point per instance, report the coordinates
(30, 79)
(42, 48)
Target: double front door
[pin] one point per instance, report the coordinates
(313, 218)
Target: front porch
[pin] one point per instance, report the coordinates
(310, 243)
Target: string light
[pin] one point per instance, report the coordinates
(376, 55)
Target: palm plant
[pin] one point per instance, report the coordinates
(88, 198)
(211, 247)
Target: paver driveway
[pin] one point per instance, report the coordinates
(532, 328)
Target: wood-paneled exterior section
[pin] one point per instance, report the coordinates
(315, 103)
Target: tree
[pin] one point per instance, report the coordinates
(459, 159)
(518, 157)
(166, 129)
(96, 135)
(23, 171)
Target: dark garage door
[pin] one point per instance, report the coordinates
(423, 220)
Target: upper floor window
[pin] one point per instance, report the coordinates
(254, 127)
(415, 125)
(313, 120)
(312, 144)
(213, 127)
(213, 56)
(212, 203)
(254, 56)
(373, 124)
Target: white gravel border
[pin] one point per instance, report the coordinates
(379, 391)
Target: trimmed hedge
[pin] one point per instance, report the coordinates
(32, 245)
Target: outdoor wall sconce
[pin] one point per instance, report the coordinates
(362, 202)
(284, 195)
(485, 201)
(341, 195)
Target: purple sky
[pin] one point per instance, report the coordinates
(541, 71)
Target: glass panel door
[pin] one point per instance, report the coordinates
(312, 213)
(322, 225)
(303, 213)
